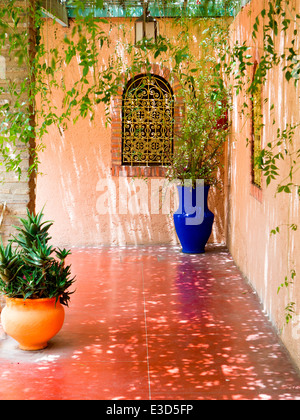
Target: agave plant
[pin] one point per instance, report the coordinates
(9, 263)
(33, 230)
(32, 268)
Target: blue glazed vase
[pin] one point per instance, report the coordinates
(193, 220)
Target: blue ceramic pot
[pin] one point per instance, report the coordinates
(193, 220)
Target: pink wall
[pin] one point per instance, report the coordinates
(76, 167)
(251, 214)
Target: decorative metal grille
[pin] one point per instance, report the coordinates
(147, 122)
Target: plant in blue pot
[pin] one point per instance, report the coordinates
(197, 157)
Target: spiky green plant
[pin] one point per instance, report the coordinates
(32, 268)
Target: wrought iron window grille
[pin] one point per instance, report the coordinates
(147, 121)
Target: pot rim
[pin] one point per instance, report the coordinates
(30, 300)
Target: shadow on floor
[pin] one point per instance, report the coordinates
(153, 323)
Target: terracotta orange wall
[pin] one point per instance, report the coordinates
(76, 164)
(251, 214)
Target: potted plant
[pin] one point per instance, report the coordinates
(198, 155)
(35, 281)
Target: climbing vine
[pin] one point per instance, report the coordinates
(280, 17)
(272, 22)
(27, 110)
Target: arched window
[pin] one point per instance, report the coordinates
(147, 121)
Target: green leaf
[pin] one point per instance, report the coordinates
(85, 71)
(288, 75)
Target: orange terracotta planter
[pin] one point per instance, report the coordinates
(32, 322)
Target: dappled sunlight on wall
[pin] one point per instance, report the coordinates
(265, 258)
(77, 162)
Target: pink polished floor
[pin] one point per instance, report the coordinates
(153, 323)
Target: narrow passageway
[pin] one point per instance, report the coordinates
(153, 323)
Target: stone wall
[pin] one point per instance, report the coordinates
(16, 193)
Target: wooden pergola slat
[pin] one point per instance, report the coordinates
(56, 10)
